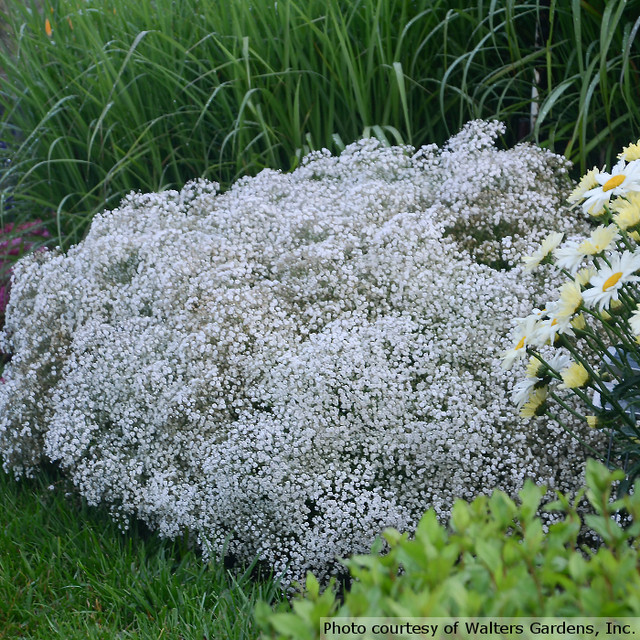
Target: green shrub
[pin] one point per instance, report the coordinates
(493, 559)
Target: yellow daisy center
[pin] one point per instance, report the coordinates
(520, 344)
(613, 182)
(611, 281)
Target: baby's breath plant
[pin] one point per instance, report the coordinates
(584, 345)
(493, 558)
(287, 368)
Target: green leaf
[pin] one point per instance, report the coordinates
(312, 586)
(578, 567)
(291, 626)
(460, 516)
(530, 497)
(503, 509)
(489, 553)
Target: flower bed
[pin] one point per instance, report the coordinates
(293, 365)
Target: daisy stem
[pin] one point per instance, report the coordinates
(604, 392)
(630, 294)
(611, 330)
(568, 274)
(571, 432)
(626, 241)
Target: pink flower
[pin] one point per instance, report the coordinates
(14, 247)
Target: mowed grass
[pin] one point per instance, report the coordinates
(67, 571)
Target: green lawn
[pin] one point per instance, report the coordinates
(67, 571)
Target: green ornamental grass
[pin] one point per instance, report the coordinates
(106, 96)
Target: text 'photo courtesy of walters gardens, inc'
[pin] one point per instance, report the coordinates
(485, 628)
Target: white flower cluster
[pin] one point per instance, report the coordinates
(293, 365)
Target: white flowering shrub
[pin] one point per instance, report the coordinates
(300, 362)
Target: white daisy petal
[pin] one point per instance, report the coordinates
(622, 179)
(545, 248)
(606, 283)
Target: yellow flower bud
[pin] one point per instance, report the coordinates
(593, 421)
(574, 376)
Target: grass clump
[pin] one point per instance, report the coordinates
(67, 571)
(106, 96)
(121, 96)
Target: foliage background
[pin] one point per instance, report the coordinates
(124, 96)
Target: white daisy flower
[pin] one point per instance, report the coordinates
(570, 299)
(579, 322)
(535, 405)
(522, 391)
(631, 152)
(584, 275)
(555, 323)
(545, 248)
(523, 335)
(600, 240)
(627, 211)
(622, 179)
(587, 182)
(570, 254)
(634, 321)
(560, 360)
(574, 376)
(593, 421)
(608, 280)
(538, 366)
